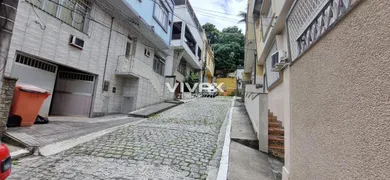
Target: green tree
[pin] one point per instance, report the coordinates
(243, 16)
(212, 33)
(191, 79)
(228, 48)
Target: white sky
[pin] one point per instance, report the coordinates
(213, 11)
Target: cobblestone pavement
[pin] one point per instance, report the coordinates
(177, 144)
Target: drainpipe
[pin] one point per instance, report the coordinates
(205, 60)
(108, 49)
(254, 30)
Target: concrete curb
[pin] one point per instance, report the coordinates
(58, 147)
(20, 153)
(134, 114)
(224, 163)
(215, 164)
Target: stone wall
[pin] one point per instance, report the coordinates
(7, 93)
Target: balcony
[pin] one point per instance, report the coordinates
(131, 66)
(133, 13)
(182, 39)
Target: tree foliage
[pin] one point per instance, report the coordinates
(228, 46)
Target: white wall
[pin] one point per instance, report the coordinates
(51, 44)
(183, 13)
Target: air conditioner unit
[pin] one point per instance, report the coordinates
(147, 53)
(279, 60)
(76, 42)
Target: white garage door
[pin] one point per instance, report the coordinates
(38, 73)
(73, 94)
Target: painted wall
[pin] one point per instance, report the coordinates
(340, 123)
(229, 83)
(182, 12)
(145, 10)
(51, 44)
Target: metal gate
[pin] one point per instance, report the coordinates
(38, 73)
(73, 94)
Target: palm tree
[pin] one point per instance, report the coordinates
(243, 15)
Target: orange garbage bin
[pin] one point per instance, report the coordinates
(27, 102)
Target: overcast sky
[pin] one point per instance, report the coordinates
(221, 13)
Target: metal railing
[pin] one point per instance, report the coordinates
(309, 20)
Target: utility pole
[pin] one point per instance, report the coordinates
(205, 60)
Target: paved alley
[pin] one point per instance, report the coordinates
(180, 143)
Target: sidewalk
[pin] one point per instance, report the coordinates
(68, 130)
(245, 160)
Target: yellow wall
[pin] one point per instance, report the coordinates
(229, 83)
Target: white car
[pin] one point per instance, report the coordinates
(209, 90)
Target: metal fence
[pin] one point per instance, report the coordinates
(308, 20)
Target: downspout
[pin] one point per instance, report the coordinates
(108, 49)
(205, 61)
(254, 30)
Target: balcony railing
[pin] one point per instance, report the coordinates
(125, 64)
(309, 20)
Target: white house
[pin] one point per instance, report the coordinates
(95, 57)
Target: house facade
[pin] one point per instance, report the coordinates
(187, 41)
(339, 89)
(208, 61)
(94, 57)
(318, 80)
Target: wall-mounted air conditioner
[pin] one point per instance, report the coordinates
(76, 42)
(279, 60)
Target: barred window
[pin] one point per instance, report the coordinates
(159, 65)
(71, 12)
(161, 14)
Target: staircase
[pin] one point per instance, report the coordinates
(275, 136)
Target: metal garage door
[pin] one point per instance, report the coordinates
(36, 72)
(73, 94)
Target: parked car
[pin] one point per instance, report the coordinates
(5, 158)
(209, 90)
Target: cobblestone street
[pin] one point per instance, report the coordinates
(180, 143)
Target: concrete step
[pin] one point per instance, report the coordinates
(152, 110)
(249, 164)
(242, 131)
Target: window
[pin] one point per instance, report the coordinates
(71, 12)
(128, 51)
(159, 65)
(51, 7)
(161, 14)
(182, 67)
(199, 53)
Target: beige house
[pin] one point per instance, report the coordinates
(208, 61)
(325, 80)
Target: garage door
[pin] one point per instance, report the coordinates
(36, 72)
(73, 94)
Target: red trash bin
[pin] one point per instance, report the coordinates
(27, 102)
